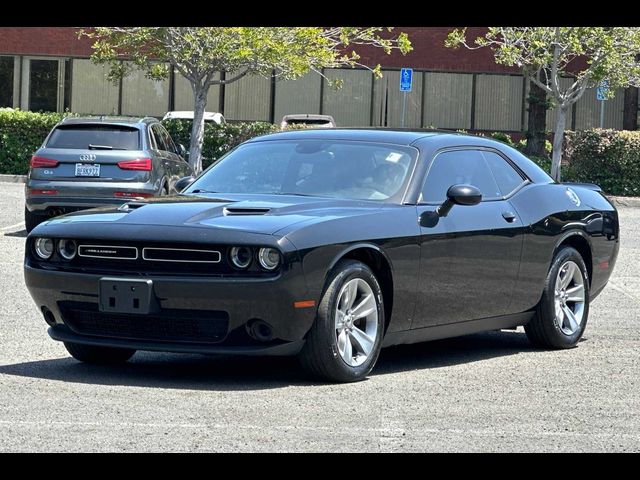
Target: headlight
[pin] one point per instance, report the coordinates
(269, 258)
(67, 249)
(44, 248)
(241, 256)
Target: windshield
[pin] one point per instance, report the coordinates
(337, 169)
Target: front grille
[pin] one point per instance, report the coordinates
(181, 255)
(193, 326)
(114, 252)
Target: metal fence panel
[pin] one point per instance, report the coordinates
(92, 93)
(350, 106)
(143, 96)
(183, 95)
(248, 99)
(388, 100)
(447, 100)
(498, 102)
(588, 111)
(298, 96)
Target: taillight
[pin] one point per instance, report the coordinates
(137, 164)
(39, 191)
(132, 195)
(40, 162)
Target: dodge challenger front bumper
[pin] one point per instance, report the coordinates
(248, 316)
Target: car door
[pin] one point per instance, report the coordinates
(163, 157)
(178, 167)
(469, 259)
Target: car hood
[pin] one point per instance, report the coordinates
(264, 214)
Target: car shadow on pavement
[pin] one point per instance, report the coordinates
(237, 373)
(18, 233)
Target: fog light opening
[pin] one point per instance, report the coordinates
(48, 316)
(260, 330)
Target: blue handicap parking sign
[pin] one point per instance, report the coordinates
(406, 79)
(602, 89)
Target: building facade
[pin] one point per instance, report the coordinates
(48, 69)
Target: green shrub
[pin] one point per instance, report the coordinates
(609, 158)
(21, 134)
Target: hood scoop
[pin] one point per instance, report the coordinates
(232, 211)
(127, 207)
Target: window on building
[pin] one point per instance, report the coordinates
(6, 82)
(67, 85)
(43, 86)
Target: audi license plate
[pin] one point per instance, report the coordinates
(86, 170)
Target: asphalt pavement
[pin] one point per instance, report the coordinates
(484, 392)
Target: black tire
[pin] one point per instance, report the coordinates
(98, 355)
(31, 220)
(543, 329)
(320, 355)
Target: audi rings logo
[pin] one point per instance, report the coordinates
(89, 157)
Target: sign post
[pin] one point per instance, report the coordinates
(601, 95)
(406, 81)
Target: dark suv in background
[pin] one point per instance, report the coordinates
(90, 162)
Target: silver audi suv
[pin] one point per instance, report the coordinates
(91, 162)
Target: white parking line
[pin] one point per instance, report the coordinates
(10, 227)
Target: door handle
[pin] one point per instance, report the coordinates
(509, 216)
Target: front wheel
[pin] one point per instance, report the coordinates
(561, 315)
(98, 355)
(344, 342)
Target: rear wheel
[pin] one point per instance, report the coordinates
(31, 220)
(561, 315)
(99, 355)
(344, 342)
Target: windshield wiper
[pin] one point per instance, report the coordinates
(200, 190)
(296, 194)
(103, 147)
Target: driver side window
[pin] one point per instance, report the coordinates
(458, 167)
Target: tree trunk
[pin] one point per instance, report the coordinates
(558, 137)
(197, 131)
(537, 124)
(630, 116)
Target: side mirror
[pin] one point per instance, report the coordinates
(183, 183)
(459, 195)
(182, 151)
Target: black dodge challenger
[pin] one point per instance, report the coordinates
(330, 244)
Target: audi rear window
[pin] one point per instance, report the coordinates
(95, 137)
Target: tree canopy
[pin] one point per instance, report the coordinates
(201, 54)
(585, 55)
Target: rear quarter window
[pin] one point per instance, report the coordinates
(83, 137)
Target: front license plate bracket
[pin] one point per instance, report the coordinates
(127, 296)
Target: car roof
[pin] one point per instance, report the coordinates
(111, 120)
(188, 115)
(396, 136)
(307, 116)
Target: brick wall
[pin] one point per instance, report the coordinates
(428, 42)
(62, 41)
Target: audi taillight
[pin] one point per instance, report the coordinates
(41, 162)
(143, 164)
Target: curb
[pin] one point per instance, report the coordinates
(633, 202)
(13, 178)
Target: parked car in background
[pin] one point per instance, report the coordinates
(186, 115)
(330, 244)
(91, 162)
(310, 120)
